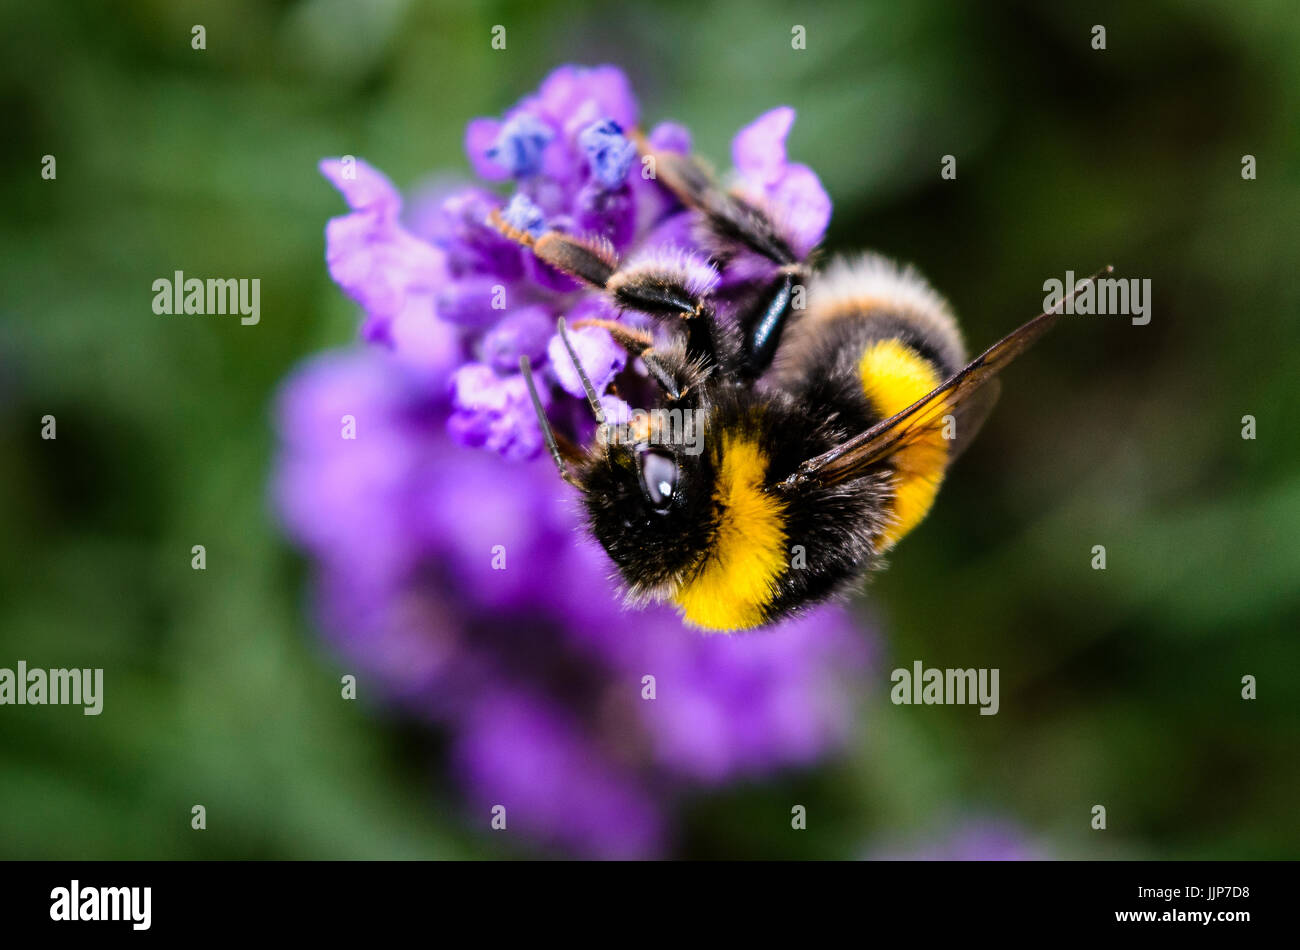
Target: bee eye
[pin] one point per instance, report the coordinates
(658, 478)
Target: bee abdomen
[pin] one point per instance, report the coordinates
(874, 339)
(856, 301)
(739, 575)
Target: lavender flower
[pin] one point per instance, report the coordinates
(458, 581)
(567, 155)
(392, 274)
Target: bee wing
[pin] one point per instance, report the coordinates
(968, 395)
(970, 416)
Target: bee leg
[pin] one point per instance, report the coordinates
(729, 216)
(591, 260)
(763, 324)
(733, 221)
(654, 287)
(672, 284)
(639, 344)
(668, 284)
(634, 341)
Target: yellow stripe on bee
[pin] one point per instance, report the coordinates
(737, 579)
(893, 377)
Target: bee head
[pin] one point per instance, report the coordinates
(647, 483)
(649, 504)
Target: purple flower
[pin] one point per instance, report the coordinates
(570, 98)
(524, 332)
(460, 585)
(791, 192)
(530, 757)
(383, 267)
(601, 358)
(566, 153)
(489, 410)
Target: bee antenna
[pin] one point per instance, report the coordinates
(589, 389)
(526, 368)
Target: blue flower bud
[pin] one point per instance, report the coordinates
(609, 153)
(522, 215)
(518, 148)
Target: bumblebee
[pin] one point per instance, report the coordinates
(831, 402)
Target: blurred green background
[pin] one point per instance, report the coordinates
(1119, 687)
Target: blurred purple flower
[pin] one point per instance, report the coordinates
(459, 581)
(462, 583)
